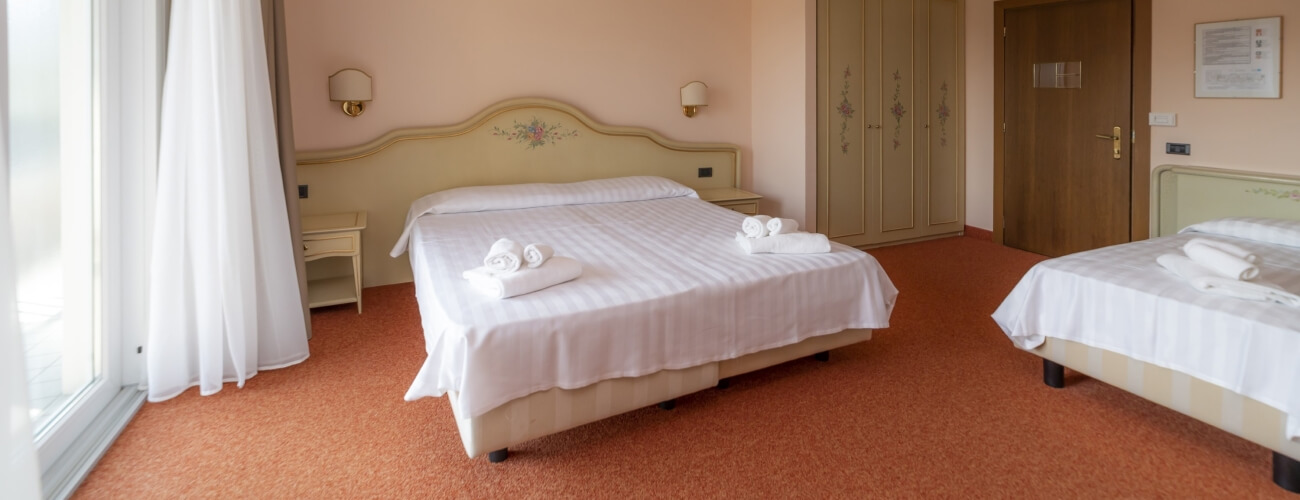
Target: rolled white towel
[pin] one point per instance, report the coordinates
(756, 226)
(536, 254)
(505, 256)
(785, 243)
(781, 226)
(1222, 262)
(502, 286)
(1233, 250)
(1208, 281)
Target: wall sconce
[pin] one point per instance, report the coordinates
(352, 88)
(693, 96)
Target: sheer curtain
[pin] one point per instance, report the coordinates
(18, 472)
(224, 296)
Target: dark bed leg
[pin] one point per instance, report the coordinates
(668, 405)
(498, 456)
(1053, 374)
(724, 383)
(1286, 472)
(822, 356)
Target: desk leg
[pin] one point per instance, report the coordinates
(356, 277)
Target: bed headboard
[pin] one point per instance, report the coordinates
(512, 142)
(1187, 195)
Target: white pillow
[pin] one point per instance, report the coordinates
(519, 196)
(1275, 231)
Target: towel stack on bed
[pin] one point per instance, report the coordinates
(1225, 269)
(764, 234)
(511, 269)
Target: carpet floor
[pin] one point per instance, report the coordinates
(939, 404)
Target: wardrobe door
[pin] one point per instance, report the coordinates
(848, 104)
(945, 196)
(895, 177)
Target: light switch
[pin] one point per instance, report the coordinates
(1162, 119)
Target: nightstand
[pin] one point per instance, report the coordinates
(739, 200)
(335, 235)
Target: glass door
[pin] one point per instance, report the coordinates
(55, 202)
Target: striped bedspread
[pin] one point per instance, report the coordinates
(1119, 299)
(664, 286)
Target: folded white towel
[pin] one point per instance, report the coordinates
(1208, 281)
(1233, 250)
(505, 285)
(781, 226)
(505, 256)
(756, 226)
(785, 243)
(537, 253)
(1222, 262)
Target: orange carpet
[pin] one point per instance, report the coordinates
(939, 404)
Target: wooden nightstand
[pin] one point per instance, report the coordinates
(739, 200)
(335, 235)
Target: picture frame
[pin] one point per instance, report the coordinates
(1239, 59)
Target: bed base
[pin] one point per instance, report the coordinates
(555, 410)
(1196, 398)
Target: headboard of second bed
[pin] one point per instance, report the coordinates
(512, 142)
(1187, 195)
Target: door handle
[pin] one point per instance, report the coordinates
(1114, 140)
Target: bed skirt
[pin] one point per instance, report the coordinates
(551, 411)
(1196, 398)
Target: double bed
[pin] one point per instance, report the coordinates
(1115, 315)
(667, 303)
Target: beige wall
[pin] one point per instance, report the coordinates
(621, 61)
(1247, 134)
(783, 60)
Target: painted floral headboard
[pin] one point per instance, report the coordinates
(1186, 195)
(512, 142)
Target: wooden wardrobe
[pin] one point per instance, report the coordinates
(890, 120)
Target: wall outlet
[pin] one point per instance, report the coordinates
(1175, 148)
(706, 171)
(1162, 119)
(302, 190)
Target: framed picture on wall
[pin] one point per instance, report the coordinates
(1241, 59)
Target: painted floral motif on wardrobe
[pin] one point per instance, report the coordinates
(845, 109)
(1293, 195)
(535, 134)
(897, 110)
(942, 113)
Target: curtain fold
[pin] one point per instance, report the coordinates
(277, 59)
(224, 294)
(18, 467)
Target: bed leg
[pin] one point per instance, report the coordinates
(1286, 472)
(498, 456)
(668, 405)
(724, 383)
(1053, 374)
(822, 356)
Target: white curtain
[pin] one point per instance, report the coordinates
(18, 468)
(224, 298)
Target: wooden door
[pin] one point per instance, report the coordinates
(1064, 189)
(848, 117)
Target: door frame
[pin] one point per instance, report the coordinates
(1140, 148)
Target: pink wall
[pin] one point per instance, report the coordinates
(783, 68)
(438, 63)
(1246, 134)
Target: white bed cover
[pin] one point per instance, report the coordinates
(1119, 299)
(664, 286)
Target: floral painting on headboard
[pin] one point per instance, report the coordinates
(1293, 195)
(535, 134)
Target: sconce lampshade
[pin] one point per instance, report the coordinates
(693, 95)
(351, 87)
